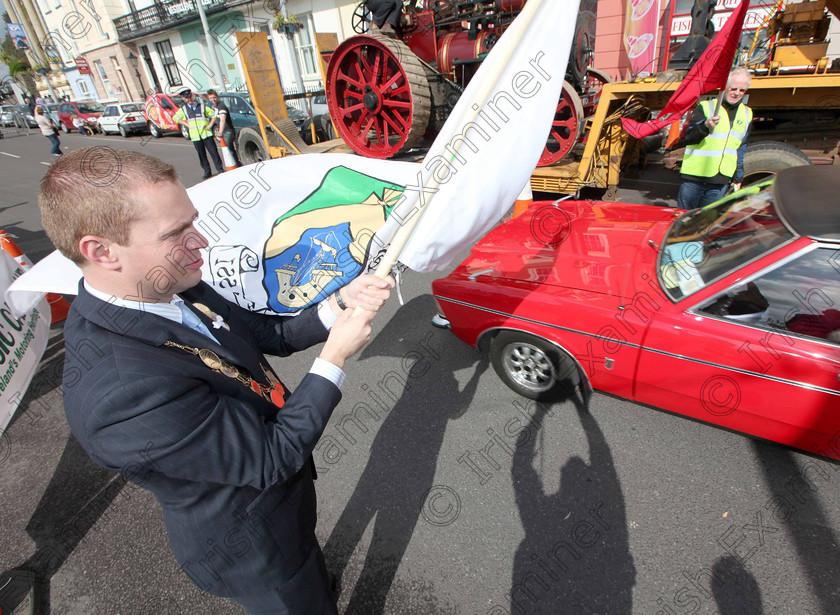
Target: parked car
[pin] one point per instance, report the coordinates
(51, 111)
(23, 111)
(158, 111)
(87, 110)
(123, 118)
(243, 113)
(7, 115)
(728, 314)
(319, 106)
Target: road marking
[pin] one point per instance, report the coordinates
(143, 141)
(11, 155)
(46, 163)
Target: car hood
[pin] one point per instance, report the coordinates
(608, 248)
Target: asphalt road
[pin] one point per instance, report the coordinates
(605, 507)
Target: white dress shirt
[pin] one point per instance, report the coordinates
(320, 367)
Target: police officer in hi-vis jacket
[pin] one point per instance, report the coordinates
(195, 115)
(715, 145)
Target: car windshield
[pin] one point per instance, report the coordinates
(132, 108)
(705, 244)
(21, 108)
(90, 107)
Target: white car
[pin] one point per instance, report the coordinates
(123, 118)
(319, 106)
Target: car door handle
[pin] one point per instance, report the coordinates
(473, 276)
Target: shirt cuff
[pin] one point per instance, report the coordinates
(325, 369)
(326, 314)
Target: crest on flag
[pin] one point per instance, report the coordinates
(322, 243)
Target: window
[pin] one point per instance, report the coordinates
(83, 87)
(305, 47)
(167, 58)
(100, 70)
(801, 296)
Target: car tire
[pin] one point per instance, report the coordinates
(65, 129)
(155, 131)
(532, 367)
(251, 147)
(767, 158)
(123, 131)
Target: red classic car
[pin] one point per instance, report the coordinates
(729, 314)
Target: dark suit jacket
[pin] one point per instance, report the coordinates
(232, 473)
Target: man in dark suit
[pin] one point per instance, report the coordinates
(166, 382)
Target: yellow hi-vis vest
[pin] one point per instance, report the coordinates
(197, 119)
(718, 152)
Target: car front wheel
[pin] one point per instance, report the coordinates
(532, 367)
(65, 128)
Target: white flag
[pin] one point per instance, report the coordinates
(492, 141)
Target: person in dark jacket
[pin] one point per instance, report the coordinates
(166, 382)
(716, 144)
(386, 14)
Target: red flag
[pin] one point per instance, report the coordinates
(708, 73)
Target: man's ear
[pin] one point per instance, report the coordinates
(100, 251)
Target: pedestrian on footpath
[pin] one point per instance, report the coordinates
(225, 130)
(716, 143)
(48, 129)
(195, 115)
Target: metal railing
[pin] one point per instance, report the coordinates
(164, 14)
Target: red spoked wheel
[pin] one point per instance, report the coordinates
(378, 96)
(566, 129)
(590, 89)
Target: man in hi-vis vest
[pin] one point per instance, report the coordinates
(195, 115)
(715, 145)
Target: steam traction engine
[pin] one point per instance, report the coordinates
(385, 94)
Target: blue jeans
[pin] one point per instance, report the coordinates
(694, 194)
(56, 146)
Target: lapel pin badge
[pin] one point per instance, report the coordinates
(217, 321)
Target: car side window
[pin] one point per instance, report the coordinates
(801, 296)
(165, 104)
(64, 109)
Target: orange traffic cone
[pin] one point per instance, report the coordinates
(58, 305)
(227, 155)
(523, 201)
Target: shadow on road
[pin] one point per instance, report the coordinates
(795, 506)
(740, 593)
(575, 557)
(76, 497)
(403, 457)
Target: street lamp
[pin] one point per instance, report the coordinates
(133, 60)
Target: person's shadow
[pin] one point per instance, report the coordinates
(575, 557)
(403, 457)
(76, 497)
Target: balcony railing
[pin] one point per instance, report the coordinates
(164, 14)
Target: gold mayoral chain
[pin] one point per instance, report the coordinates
(273, 393)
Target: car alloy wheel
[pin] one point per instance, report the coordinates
(528, 366)
(533, 367)
(123, 131)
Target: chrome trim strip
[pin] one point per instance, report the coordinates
(647, 348)
(536, 322)
(745, 372)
